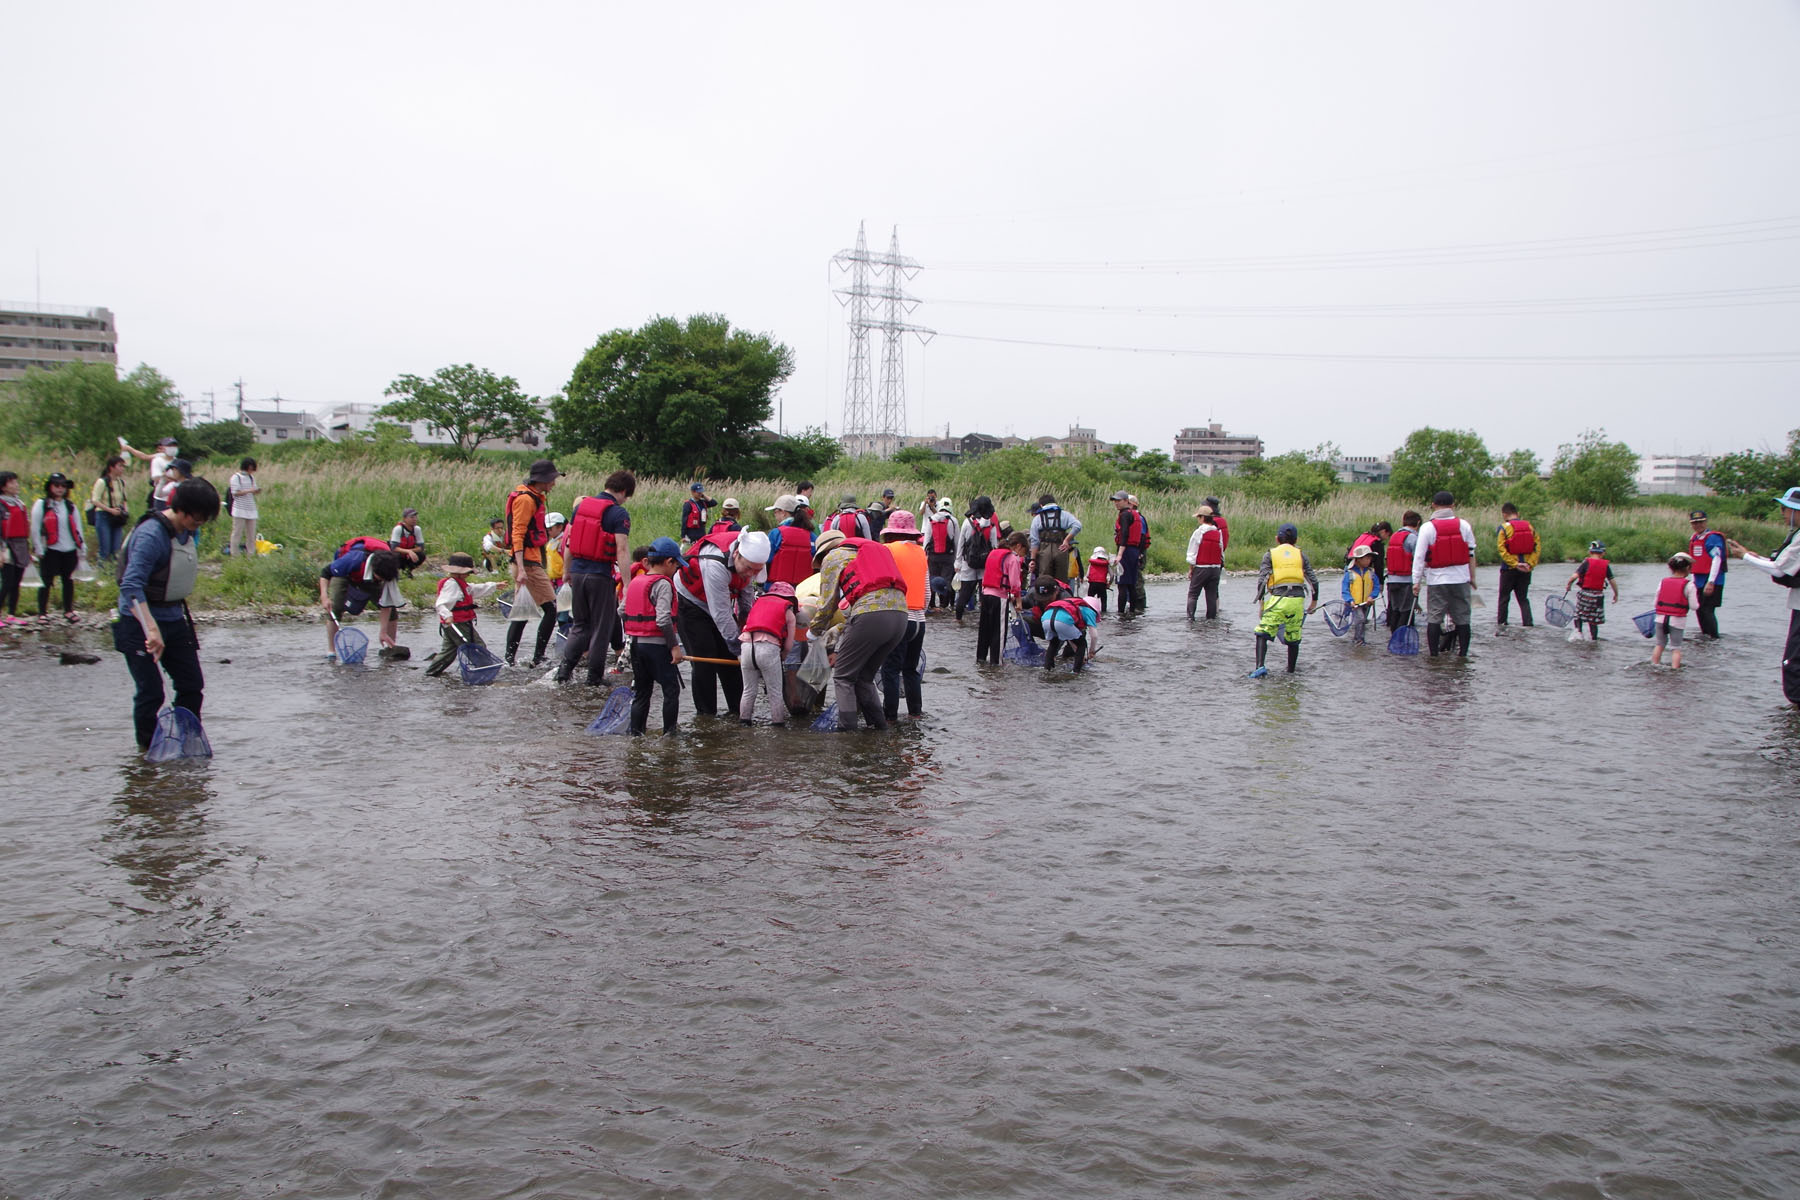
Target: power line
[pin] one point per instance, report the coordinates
(1748, 358)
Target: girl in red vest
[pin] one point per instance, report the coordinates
(1590, 581)
(768, 636)
(456, 601)
(15, 555)
(1676, 597)
(1000, 582)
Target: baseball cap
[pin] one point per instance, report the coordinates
(887, 493)
(1699, 514)
(696, 487)
(408, 512)
(730, 502)
(1288, 527)
(667, 547)
(785, 504)
(1120, 496)
(555, 519)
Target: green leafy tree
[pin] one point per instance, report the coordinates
(1592, 470)
(1153, 471)
(799, 456)
(922, 461)
(674, 398)
(469, 403)
(1520, 481)
(1296, 478)
(224, 440)
(85, 407)
(1752, 472)
(1443, 460)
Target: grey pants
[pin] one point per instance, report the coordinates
(1447, 599)
(761, 664)
(867, 640)
(1203, 581)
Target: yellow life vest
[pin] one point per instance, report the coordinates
(1284, 561)
(1362, 586)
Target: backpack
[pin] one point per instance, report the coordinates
(979, 543)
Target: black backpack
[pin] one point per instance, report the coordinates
(980, 544)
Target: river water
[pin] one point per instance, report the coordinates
(1523, 925)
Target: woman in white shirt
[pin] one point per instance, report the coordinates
(243, 491)
(1784, 566)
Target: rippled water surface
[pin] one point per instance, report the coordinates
(1520, 926)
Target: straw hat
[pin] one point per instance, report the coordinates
(828, 541)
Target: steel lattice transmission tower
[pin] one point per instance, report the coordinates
(875, 421)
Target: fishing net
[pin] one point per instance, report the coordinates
(504, 600)
(615, 714)
(479, 665)
(1024, 650)
(1558, 611)
(1646, 623)
(827, 721)
(178, 735)
(1404, 640)
(352, 646)
(1337, 617)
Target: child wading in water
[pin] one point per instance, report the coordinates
(1361, 588)
(1676, 597)
(1590, 581)
(456, 601)
(768, 636)
(649, 615)
(1282, 583)
(1099, 575)
(1000, 577)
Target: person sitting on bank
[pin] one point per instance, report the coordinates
(456, 601)
(157, 570)
(493, 545)
(1360, 589)
(1282, 581)
(407, 536)
(364, 572)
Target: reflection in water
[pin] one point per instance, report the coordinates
(158, 828)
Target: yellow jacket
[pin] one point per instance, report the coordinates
(1510, 559)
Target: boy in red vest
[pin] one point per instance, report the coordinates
(456, 601)
(655, 642)
(1592, 576)
(1676, 597)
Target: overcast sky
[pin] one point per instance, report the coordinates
(1345, 220)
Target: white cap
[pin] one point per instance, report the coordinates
(784, 504)
(555, 519)
(730, 502)
(754, 546)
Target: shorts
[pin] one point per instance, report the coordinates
(1669, 635)
(1282, 617)
(537, 582)
(352, 600)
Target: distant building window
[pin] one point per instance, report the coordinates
(281, 433)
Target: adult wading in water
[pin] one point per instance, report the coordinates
(1784, 566)
(710, 611)
(157, 570)
(526, 536)
(861, 577)
(599, 530)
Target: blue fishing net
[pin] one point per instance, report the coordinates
(504, 600)
(478, 664)
(1558, 611)
(352, 646)
(1646, 623)
(1404, 640)
(827, 721)
(1337, 617)
(615, 714)
(178, 735)
(1024, 649)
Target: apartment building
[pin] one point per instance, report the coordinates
(1209, 450)
(47, 336)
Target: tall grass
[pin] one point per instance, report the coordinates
(311, 504)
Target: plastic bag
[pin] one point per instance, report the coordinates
(815, 670)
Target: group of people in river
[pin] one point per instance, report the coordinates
(764, 618)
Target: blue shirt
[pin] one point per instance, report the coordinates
(147, 551)
(347, 566)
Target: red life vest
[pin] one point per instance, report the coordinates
(845, 523)
(1211, 550)
(982, 529)
(464, 608)
(587, 539)
(1449, 549)
(1703, 562)
(769, 615)
(940, 536)
(18, 521)
(792, 560)
(52, 525)
(368, 544)
(693, 516)
(1129, 528)
(1099, 572)
(872, 570)
(1399, 562)
(725, 527)
(1367, 539)
(640, 606)
(993, 575)
(537, 534)
(408, 539)
(720, 544)
(1074, 608)
(1224, 528)
(1593, 573)
(1522, 541)
(1671, 597)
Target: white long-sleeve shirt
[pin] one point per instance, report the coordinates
(1786, 561)
(1462, 572)
(448, 595)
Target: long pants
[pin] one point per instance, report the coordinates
(900, 673)
(58, 564)
(701, 638)
(180, 658)
(452, 636)
(515, 631)
(1203, 581)
(109, 535)
(1399, 604)
(1131, 580)
(940, 570)
(1790, 660)
(968, 595)
(10, 575)
(594, 613)
(1514, 582)
(1359, 622)
(1099, 590)
(867, 640)
(761, 665)
(989, 637)
(243, 530)
(1054, 564)
(1707, 614)
(651, 666)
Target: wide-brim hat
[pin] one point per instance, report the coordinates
(1099, 555)
(1359, 551)
(901, 524)
(459, 564)
(1789, 498)
(542, 471)
(828, 541)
